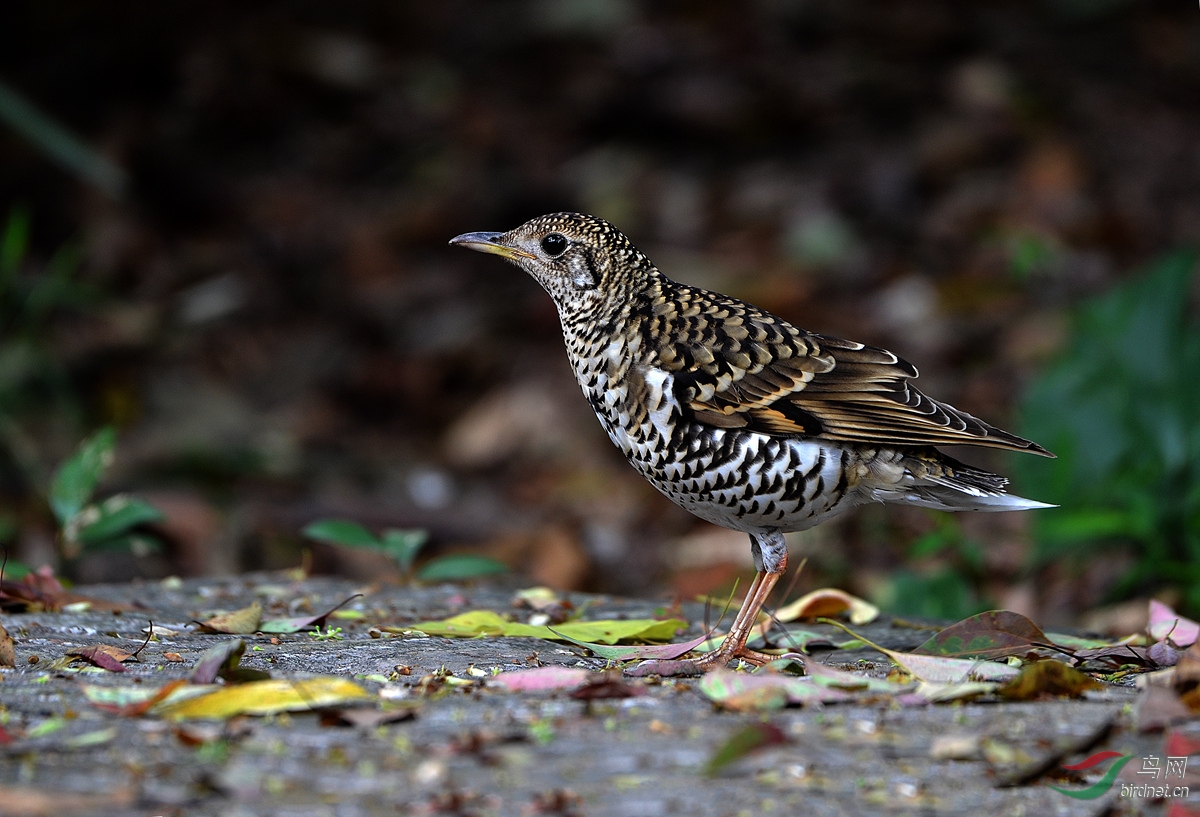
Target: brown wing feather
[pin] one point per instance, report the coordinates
(739, 367)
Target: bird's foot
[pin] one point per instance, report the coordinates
(717, 659)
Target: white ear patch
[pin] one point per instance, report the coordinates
(583, 275)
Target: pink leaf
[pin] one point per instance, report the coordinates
(1164, 621)
(542, 679)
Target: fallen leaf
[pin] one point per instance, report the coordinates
(104, 656)
(8, 653)
(46, 727)
(827, 602)
(1166, 622)
(834, 678)
(1074, 642)
(607, 685)
(994, 634)
(1163, 654)
(930, 693)
(487, 623)
(536, 598)
(41, 590)
(262, 698)
(98, 737)
(221, 661)
(938, 669)
(293, 625)
(1047, 678)
(542, 679)
(737, 689)
(132, 702)
(635, 651)
(1116, 655)
(238, 622)
(743, 742)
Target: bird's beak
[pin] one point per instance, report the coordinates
(490, 242)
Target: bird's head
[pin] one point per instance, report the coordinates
(587, 265)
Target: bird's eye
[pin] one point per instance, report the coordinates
(554, 244)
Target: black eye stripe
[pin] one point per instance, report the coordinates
(554, 244)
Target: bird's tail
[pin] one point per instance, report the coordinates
(946, 484)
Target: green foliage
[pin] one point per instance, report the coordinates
(1121, 408)
(34, 383)
(946, 591)
(460, 567)
(402, 547)
(77, 478)
(93, 526)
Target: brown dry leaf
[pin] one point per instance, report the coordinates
(8, 655)
(607, 685)
(1047, 678)
(828, 601)
(104, 656)
(238, 622)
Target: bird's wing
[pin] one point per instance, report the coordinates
(735, 366)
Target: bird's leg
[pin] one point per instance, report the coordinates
(770, 557)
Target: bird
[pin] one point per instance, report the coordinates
(736, 415)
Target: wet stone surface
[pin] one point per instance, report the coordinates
(477, 749)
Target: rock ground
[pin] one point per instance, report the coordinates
(478, 750)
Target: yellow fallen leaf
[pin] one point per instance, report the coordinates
(481, 623)
(262, 698)
(828, 602)
(238, 622)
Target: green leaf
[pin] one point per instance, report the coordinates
(994, 634)
(14, 570)
(403, 546)
(117, 515)
(77, 478)
(479, 623)
(342, 532)
(459, 568)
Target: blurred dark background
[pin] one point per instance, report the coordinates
(242, 266)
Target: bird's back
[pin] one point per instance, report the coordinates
(750, 422)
